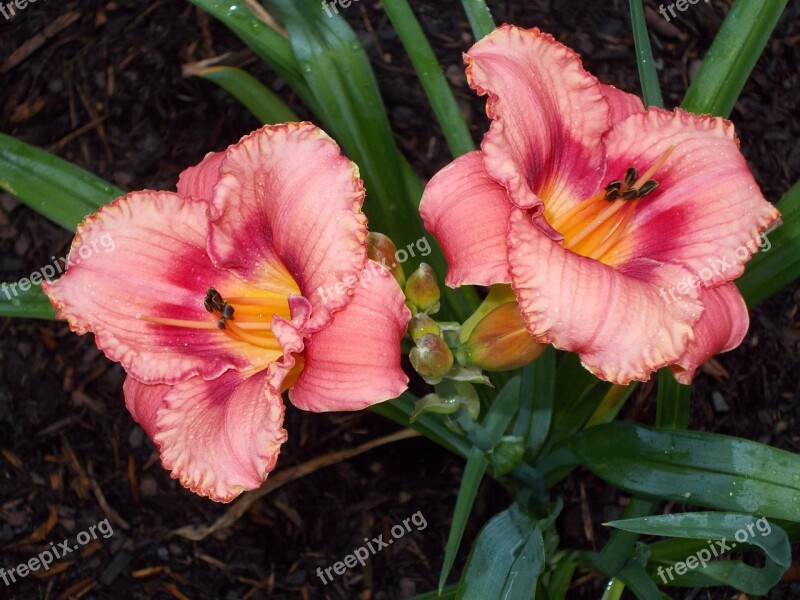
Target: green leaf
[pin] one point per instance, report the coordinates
(431, 76)
(32, 304)
(732, 56)
(778, 263)
(732, 530)
(268, 44)
(651, 90)
(537, 397)
(613, 401)
(503, 410)
(53, 187)
(506, 559)
(579, 394)
(256, 97)
(559, 579)
(697, 468)
(480, 17)
(673, 402)
(474, 471)
(497, 419)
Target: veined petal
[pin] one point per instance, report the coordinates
(199, 181)
(354, 362)
(548, 117)
(707, 211)
(288, 197)
(218, 437)
(143, 256)
(622, 104)
(721, 328)
(619, 321)
(468, 213)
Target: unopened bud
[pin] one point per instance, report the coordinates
(431, 357)
(506, 454)
(422, 290)
(382, 250)
(422, 324)
(500, 341)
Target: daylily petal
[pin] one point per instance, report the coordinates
(721, 328)
(288, 197)
(468, 212)
(199, 181)
(548, 117)
(157, 266)
(618, 321)
(354, 362)
(622, 104)
(218, 437)
(707, 210)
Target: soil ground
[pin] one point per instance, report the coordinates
(100, 83)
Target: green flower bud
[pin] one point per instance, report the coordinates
(500, 341)
(422, 291)
(421, 324)
(431, 357)
(507, 454)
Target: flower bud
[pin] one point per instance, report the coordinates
(382, 250)
(506, 454)
(422, 290)
(500, 341)
(421, 324)
(431, 357)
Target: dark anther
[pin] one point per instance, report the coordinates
(631, 194)
(221, 324)
(614, 185)
(630, 176)
(612, 195)
(227, 312)
(647, 187)
(213, 301)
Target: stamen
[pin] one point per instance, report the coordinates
(563, 219)
(652, 170)
(630, 176)
(262, 341)
(178, 322)
(600, 252)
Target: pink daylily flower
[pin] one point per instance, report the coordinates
(596, 211)
(210, 302)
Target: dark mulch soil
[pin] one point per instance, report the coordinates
(104, 89)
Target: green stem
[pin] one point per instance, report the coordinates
(431, 76)
(732, 56)
(648, 75)
(480, 17)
